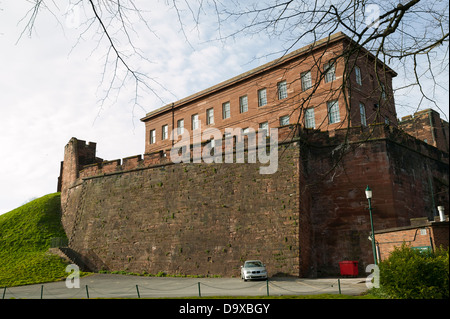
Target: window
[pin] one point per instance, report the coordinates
(383, 92)
(330, 72)
(226, 110)
(358, 75)
(210, 116)
(310, 120)
(152, 137)
(282, 90)
(180, 126)
(243, 104)
(264, 126)
(362, 111)
(306, 80)
(262, 97)
(194, 121)
(245, 131)
(333, 112)
(284, 120)
(165, 132)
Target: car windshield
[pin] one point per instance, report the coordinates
(249, 264)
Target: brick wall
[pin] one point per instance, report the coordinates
(431, 234)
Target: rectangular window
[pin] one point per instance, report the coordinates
(262, 97)
(383, 91)
(210, 116)
(264, 126)
(362, 111)
(358, 75)
(180, 126)
(282, 90)
(165, 132)
(194, 121)
(243, 104)
(152, 137)
(226, 110)
(333, 112)
(284, 120)
(306, 80)
(310, 120)
(245, 131)
(330, 72)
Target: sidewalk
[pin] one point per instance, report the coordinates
(122, 286)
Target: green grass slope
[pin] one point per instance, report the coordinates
(25, 236)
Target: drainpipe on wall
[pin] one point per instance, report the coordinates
(430, 184)
(432, 128)
(173, 122)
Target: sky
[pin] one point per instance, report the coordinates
(51, 88)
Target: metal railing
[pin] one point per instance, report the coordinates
(192, 289)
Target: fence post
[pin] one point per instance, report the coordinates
(137, 289)
(87, 292)
(199, 292)
(42, 290)
(267, 286)
(4, 292)
(339, 285)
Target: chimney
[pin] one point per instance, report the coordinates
(441, 213)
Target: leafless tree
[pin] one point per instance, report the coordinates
(412, 36)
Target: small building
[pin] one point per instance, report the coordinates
(422, 234)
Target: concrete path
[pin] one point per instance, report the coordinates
(122, 286)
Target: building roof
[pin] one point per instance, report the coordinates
(265, 67)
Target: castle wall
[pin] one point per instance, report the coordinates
(148, 214)
(408, 179)
(190, 218)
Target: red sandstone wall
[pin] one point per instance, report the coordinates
(208, 218)
(337, 177)
(191, 219)
(427, 126)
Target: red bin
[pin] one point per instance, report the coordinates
(349, 268)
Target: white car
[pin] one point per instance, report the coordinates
(253, 269)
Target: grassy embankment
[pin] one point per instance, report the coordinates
(25, 237)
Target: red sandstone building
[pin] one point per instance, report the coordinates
(150, 214)
(319, 86)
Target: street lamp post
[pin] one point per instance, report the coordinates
(369, 198)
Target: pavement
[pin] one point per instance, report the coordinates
(123, 286)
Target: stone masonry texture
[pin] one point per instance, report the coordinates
(206, 219)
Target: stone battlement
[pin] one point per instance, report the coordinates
(285, 134)
(136, 162)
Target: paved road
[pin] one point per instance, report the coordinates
(121, 286)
